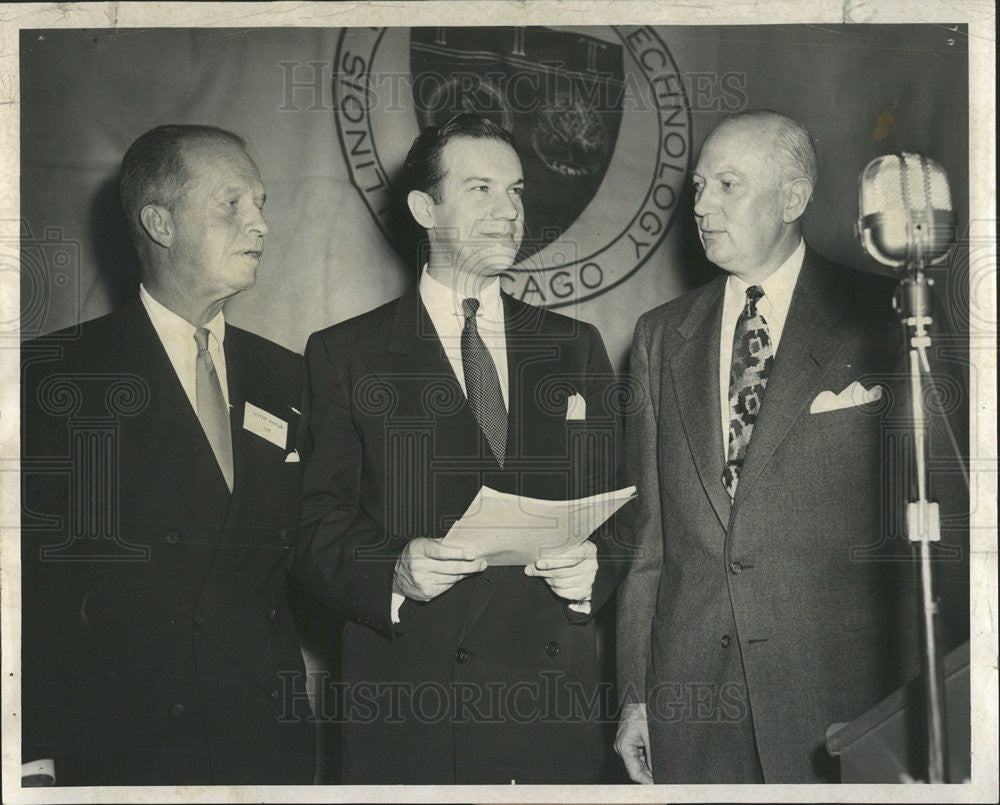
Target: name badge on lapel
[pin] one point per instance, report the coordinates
(267, 426)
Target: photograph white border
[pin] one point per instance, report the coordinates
(979, 15)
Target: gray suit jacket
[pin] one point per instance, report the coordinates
(748, 628)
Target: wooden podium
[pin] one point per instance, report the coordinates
(889, 740)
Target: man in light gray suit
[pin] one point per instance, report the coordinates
(772, 594)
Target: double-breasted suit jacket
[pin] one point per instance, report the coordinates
(158, 647)
(489, 681)
(749, 627)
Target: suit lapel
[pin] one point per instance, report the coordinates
(236, 381)
(425, 387)
(808, 346)
(417, 368)
(250, 452)
(529, 355)
(169, 426)
(694, 370)
(253, 460)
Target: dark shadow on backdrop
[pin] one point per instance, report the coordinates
(407, 237)
(692, 267)
(114, 256)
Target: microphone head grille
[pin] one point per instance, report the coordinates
(913, 188)
(905, 213)
(940, 193)
(885, 185)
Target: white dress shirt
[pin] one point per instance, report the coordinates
(177, 336)
(773, 306)
(444, 305)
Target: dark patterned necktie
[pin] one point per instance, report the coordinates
(212, 409)
(748, 373)
(482, 383)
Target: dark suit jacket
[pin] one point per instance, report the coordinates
(476, 685)
(157, 642)
(762, 622)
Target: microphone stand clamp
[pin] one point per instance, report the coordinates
(913, 304)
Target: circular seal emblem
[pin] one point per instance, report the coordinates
(600, 119)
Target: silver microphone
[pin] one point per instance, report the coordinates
(905, 216)
(906, 221)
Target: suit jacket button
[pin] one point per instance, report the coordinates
(552, 649)
(461, 655)
(177, 710)
(171, 537)
(199, 620)
(725, 641)
(273, 693)
(736, 568)
(271, 612)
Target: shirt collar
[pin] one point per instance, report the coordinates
(779, 285)
(443, 300)
(178, 329)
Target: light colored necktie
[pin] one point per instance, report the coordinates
(482, 383)
(753, 356)
(212, 409)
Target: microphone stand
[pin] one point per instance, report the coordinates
(913, 303)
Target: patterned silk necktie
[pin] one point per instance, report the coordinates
(482, 383)
(748, 373)
(212, 409)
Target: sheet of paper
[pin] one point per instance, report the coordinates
(509, 529)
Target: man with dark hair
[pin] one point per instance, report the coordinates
(455, 671)
(161, 503)
(772, 593)
(424, 168)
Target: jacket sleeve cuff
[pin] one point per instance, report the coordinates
(397, 602)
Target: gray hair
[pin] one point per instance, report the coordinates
(796, 152)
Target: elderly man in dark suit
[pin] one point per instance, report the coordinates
(455, 672)
(770, 596)
(161, 503)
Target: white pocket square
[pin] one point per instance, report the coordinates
(576, 407)
(853, 396)
(292, 458)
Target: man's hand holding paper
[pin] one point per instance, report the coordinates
(429, 567)
(570, 574)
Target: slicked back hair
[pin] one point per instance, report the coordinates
(154, 171)
(424, 169)
(796, 154)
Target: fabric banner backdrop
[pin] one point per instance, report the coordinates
(608, 122)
